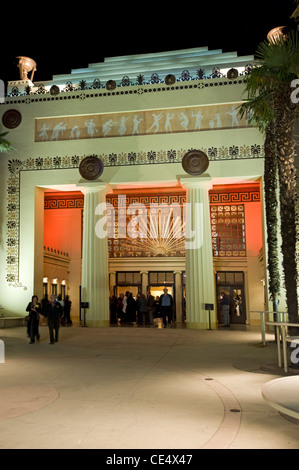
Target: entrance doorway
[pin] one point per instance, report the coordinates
(232, 283)
(128, 281)
(158, 280)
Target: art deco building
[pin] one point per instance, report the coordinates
(158, 139)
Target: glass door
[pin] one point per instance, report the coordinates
(232, 283)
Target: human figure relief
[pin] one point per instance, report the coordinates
(75, 132)
(198, 119)
(167, 125)
(155, 124)
(91, 127)
(59, 128)
(136, 122)
(234, 113)
(107, 126)
(43, 132)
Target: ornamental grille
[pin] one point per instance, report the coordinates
(228, 230)
(161, 278)
(129, 278)
(230, 278)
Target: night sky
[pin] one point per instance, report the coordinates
(66, 36)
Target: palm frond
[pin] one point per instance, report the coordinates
(5, 145)
(281, 56)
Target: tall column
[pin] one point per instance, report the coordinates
(199, 259)
(178, 296)
(112, 282)
(95, 273)
(144, 281)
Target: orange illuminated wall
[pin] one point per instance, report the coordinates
(249, 196)
(63, 222)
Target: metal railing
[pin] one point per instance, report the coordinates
(277, 316)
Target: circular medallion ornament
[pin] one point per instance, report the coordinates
(91, 168)
(12, 118)
(54, 90)
(170, 79)
(111, 85)
(195, 162)
(232, 73)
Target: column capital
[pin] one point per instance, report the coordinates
(93, 187)
(177, 272)
(204, 181)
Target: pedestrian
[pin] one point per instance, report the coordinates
(124, 309)
(142, 310)
(34, 310)
(157, 310)
(61, 301)
(150, 305)
(53, 313)
(166, 306)
(120, 307)
(67, 310)
(224, 301)
(131, 309)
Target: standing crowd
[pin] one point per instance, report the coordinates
(57, 312)
(142, 310)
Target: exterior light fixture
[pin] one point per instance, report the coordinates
(25, 66)
(276, 34)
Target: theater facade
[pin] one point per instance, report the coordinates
(135, 173)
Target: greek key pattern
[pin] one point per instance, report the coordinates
(234, 197)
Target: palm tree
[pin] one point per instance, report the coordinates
(260, 117)
(5, 145)
(269, 100)
(295, 14)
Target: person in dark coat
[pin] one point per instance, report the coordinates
(34, 309)
(142, 310)
(53, 313)
(225, 302)
(166, 306)
(157, 311)
(150, 305)
(131, 309)
(67, 310)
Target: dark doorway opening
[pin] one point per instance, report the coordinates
(232, 282)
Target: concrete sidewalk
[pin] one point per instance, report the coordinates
(140, 388)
